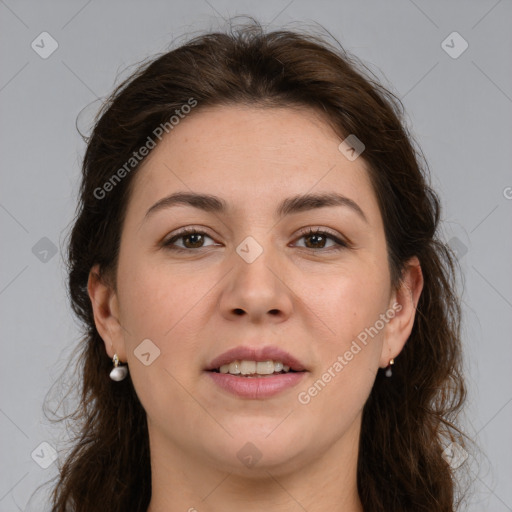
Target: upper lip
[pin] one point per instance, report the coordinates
(246, 353)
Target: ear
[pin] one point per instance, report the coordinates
(106, 314)
(403, 302)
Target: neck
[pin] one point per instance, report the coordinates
(182, 483)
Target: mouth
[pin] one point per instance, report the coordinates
(246, 360)
(252, 369)
(256, 373)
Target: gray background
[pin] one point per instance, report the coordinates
(458, 108)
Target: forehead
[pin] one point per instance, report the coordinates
(253, 157)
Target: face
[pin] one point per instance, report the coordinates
(253, 275)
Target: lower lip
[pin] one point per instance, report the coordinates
(256, 387)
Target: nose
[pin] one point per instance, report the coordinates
(257, 290)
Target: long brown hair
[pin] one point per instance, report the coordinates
(409, 419)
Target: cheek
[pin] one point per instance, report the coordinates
(349, 357)
(165, 306)
(154, 297)
(159, 305)
(350, 353)
(351, 302)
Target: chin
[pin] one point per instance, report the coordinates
(250, 453)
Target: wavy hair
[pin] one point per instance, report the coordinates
(407, 420)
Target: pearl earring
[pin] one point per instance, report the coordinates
(388, 369)
(118, 373)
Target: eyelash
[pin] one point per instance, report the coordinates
(308, 232)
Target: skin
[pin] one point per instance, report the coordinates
(299, 294)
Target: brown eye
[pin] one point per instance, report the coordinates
(196, 240)
(192, 239)
(317, 239)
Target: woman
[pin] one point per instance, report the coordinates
(270, 320)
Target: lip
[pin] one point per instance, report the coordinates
(256, 388)
(241, 353)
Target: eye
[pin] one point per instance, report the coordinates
(318, 238)
(192, 238)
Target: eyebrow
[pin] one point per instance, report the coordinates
(289, 206)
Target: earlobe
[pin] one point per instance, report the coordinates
(404, 302)
(106, 310)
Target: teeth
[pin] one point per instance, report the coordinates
(247, 367)
(265, 367)
(234, 367)
(252, 367)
